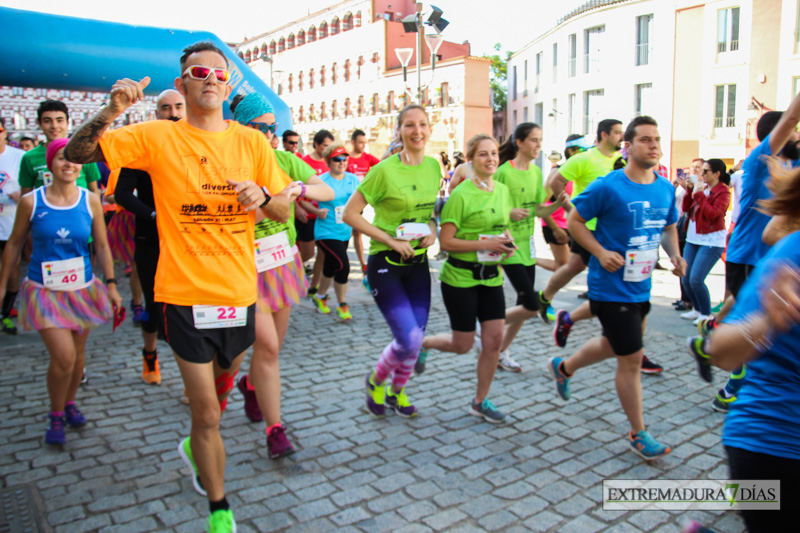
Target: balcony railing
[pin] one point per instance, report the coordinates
(727, 46)
(729, 122)
(643, 52)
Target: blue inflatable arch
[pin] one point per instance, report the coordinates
(59, 52)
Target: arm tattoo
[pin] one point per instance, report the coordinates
(83, 147)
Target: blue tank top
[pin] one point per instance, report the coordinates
(59, 233)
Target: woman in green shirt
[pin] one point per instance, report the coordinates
(475, 233)
(402, 189)
(523, 178)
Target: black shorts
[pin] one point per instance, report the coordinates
(336, 264)
(622, 324)
(576, 248)
(549, 238)
(3, 245)
(522, 279)
(735, 276)
(305, 230)
(146, 258)
(464, 305)
(201, 345)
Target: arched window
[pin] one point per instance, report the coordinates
(290, 41)
(312, 34)
(241, 55)
(358, 19)
(264, 49)
(272, 48)
(347, 22)
(323, 30)
(281, 45)
(335, 26)
(301, 38)
(247, 56)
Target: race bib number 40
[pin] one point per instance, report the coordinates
(273, 251)
(65, 275)
(639, 264)
(218, 316)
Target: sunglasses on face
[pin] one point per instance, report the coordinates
(264, 128)
(199, 72)
(339, 159)
(290, 143)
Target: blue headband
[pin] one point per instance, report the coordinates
(580, 142)
(252, 106)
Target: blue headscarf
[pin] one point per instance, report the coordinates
(252, 106)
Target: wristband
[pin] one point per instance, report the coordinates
(268, 197)
(302, 190)
(111, 280)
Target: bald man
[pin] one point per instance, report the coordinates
(170, 105)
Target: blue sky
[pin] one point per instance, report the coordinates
(513, 23)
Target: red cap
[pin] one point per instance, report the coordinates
(339, 151)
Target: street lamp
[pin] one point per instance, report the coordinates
(414, 24)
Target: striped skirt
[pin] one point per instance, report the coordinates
(281, 286)
(121, 229)
(79, 310)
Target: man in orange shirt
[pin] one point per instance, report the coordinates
(209, 175)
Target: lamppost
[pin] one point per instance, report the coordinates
(414, 24)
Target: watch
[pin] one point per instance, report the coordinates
(268, 197)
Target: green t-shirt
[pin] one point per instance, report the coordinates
(33, 171)
(474, 212)
(584, 168)
(400, 194)
(527, 191)
(297, 170)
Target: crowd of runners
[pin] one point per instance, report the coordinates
(217, 229)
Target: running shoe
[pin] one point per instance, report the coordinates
(13, 314)
(562, 381)
(185, 451)
(650, 367)
(584, 295)
(645, 446)
(722, 401)
(251, 408)
(419, 366)
(151, 374)
(73, 417)
(543, 304)
(706, 326)
(551, 313)
(139, 314)
(683, 306)
(562, 329)
(691, 315)
(699, 320)
(8, 326)
(487, 411)
(321, 303)
(376, 398)
(400, 403)
(84, 378)
(365, 284)
(343, 311)
(278, 444)
(507, 363)
(221, 522)
(717, 308)
(696, 346)
(55, 430)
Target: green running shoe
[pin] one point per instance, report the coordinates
(419, 366)
(722, 401)
(185, 451)
(321, 303)
(400, 403)
(697, 349)
(221, 522)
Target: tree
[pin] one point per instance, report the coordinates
(499, 81)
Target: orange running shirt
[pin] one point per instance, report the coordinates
(207, 254)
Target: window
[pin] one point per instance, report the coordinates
(312, 34)
(514, 84)
(290, 42)
(573, 54)
(555, 62)
(301, 38)
(728, 30)
(311, 79)
(591, 49)
(390, 102)
(322, 76)
(358, 19)
(264, 49)
(525, 78)
(335, 109)
(322, 113)
(281, 44)
(333, 74)
(725, 106)
(323, 30)
(300, 85)
(795, 86)
(538, 70)
(642, 99)
(446, 94)
(335, 26)
(644, 26)
(361, 105)
(346, 70)
(525, 114)
(515, 118)
(272, 48)
(247, 57)
(571, 114)
(592, 104)
(538, 113)
(347, 22)
(291, 82)
(347, 110)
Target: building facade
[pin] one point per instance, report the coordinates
(337, 70)
(706, 71)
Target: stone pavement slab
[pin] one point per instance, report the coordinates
(441, 471)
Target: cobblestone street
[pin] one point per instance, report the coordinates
(442, 471)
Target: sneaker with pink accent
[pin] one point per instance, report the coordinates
(251, 408)
(278, 444)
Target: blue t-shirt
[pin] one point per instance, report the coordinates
(60, 233)
(765, 418)
(746, 246)
(630, 220)
(328, 227)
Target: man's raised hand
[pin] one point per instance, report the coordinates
(127, 92)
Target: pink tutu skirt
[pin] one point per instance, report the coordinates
(281, 286)
(79, 310)
(121, 230)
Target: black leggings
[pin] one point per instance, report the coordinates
(522, 278)
(146, 259)
(744, 464)
(337, 264)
